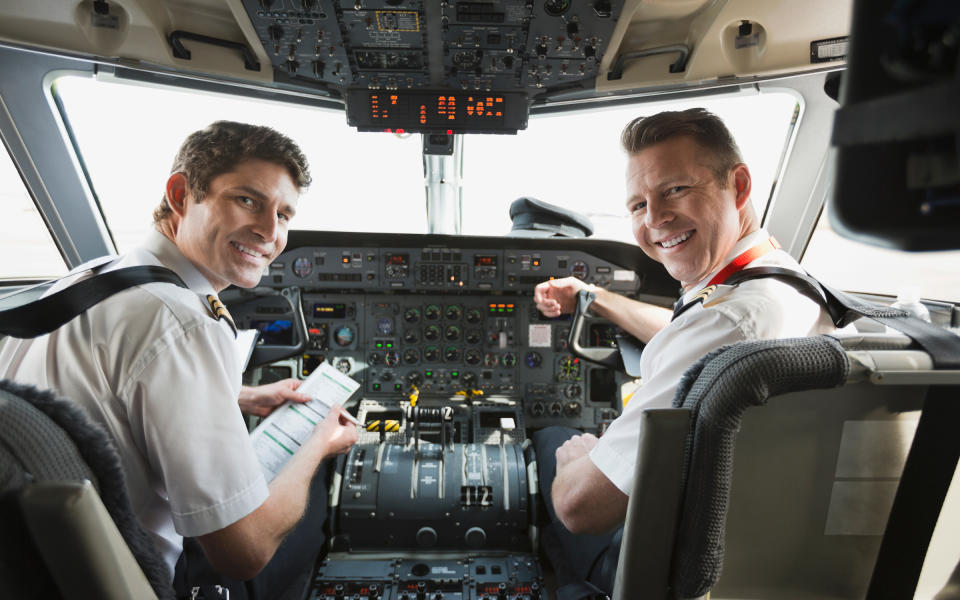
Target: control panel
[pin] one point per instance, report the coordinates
(436, 65)
(457, 367)
(447, 321)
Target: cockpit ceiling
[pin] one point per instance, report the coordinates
(547, 49)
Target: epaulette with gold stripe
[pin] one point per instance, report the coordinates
(220, 312)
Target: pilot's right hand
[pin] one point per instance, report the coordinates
(336, 432)
(558, 296)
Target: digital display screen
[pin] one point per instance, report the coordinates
(484, 261)
(398, 259)
(412, 111)
(274, 332)
(329, 310)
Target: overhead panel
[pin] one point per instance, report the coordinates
(508, 49)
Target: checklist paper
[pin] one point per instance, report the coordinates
(282, 433)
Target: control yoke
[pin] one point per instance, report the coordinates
(607, 357)
(263, 354)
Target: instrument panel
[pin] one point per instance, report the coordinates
(452, 322)
(438, 498)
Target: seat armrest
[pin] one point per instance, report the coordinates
(652, 512)
(80, 543)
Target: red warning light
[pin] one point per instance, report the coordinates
(449, 132)
(400, 131)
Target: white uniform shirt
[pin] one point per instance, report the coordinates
(154, 368)
(754, 310)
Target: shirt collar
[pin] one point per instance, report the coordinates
(170, 256)
(743, 244)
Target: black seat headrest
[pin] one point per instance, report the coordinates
(536, 218)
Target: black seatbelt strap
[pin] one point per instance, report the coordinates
(49, 313)
(923, 487)
(935, 449)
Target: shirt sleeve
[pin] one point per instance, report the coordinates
(689, 338)
(182, 405)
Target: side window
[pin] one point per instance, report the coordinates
(27, 251)
(859, 267)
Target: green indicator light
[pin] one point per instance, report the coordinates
(376, 387)
(389, 344)
(379, 345)
(500, 310)
(396, 387)
(455, 374)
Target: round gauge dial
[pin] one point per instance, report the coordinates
(451, 354)
(509, 359)
(474, 336)
(411, 315)
(473, 316)
(411, 356)
(412, 336)
(473, 356)
(432, 353)
(343, 336)
(453, 312)
(579, 269)
(431, 312)
(533, 359)
(452, 333)
(385, 326)
(391, 359)
(432, 332)
(569, 368)
(302, 267)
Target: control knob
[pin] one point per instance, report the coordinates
(414, 379)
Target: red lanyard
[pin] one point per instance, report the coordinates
(737, 264)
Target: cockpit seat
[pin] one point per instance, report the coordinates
(60, 539)
(789, 499)
(536, 218)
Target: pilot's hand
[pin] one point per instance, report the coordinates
(558, 296)
(261, 400)
(574, 448)
(336, 433)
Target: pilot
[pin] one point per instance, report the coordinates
(157, 365)
(688, 194)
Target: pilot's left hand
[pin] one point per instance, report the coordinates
(261, 400)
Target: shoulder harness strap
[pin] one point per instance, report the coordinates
(42, 316)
